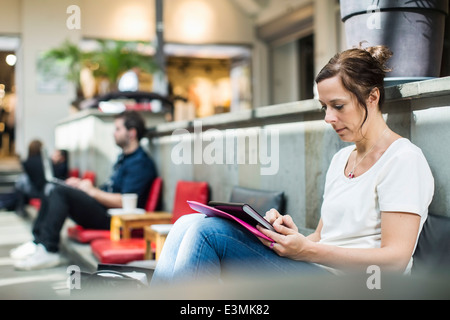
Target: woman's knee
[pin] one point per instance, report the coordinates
(188, 219)
(212, 227)
(183, 224)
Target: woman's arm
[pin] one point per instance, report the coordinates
(398, 237)
(315, 236)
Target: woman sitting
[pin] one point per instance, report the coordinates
(375, 202)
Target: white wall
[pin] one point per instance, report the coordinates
(42, 26)
(185, 21)
(118, 19)
(277, 8)
(10, 19)
(206, 21)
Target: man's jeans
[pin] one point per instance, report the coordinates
(66, 202)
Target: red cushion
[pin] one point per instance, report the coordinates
(82, 235)
(118, 252)
(74, 173)
(188, 190)
(154, 195)
(78, 233)
(35, 202)
(90, 175)
(127, 250)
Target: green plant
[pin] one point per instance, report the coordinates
(116, 57)
(68, 54)
(110, 60)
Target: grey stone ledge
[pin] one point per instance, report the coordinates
(291, 111)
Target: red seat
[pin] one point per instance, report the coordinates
(74, 173)
(35, 202)
(90, 175)
(127, 250)
(79, 234)
(154, 195)
(118, 252)
(188, 190)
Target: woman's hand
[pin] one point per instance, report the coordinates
(288, 242)
(272, 215)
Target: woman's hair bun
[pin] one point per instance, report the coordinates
(380, 53)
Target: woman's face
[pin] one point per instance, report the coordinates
(341, 109)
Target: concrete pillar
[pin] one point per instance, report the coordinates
(325, 33)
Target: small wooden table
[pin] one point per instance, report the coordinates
(158, 237)
(121, 225)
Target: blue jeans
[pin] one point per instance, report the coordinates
(205, 248)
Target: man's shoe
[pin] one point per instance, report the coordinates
(23, 251)
(41, 259)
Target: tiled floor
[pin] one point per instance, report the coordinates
(14, 284)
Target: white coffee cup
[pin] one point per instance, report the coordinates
(129, 202)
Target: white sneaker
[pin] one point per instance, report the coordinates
(41, 259)
(23, 251)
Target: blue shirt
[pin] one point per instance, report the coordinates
(132, 173)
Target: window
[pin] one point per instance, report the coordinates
(306, 67)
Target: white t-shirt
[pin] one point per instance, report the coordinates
(400, 181)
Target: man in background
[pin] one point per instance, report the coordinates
(87, 205)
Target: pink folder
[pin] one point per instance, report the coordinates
(213, 212)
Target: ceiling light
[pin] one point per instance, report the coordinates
(11, 59)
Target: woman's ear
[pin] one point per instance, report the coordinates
(374, 97)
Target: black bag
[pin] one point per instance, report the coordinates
(109, 281)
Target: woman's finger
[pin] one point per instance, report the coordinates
(272, 215)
